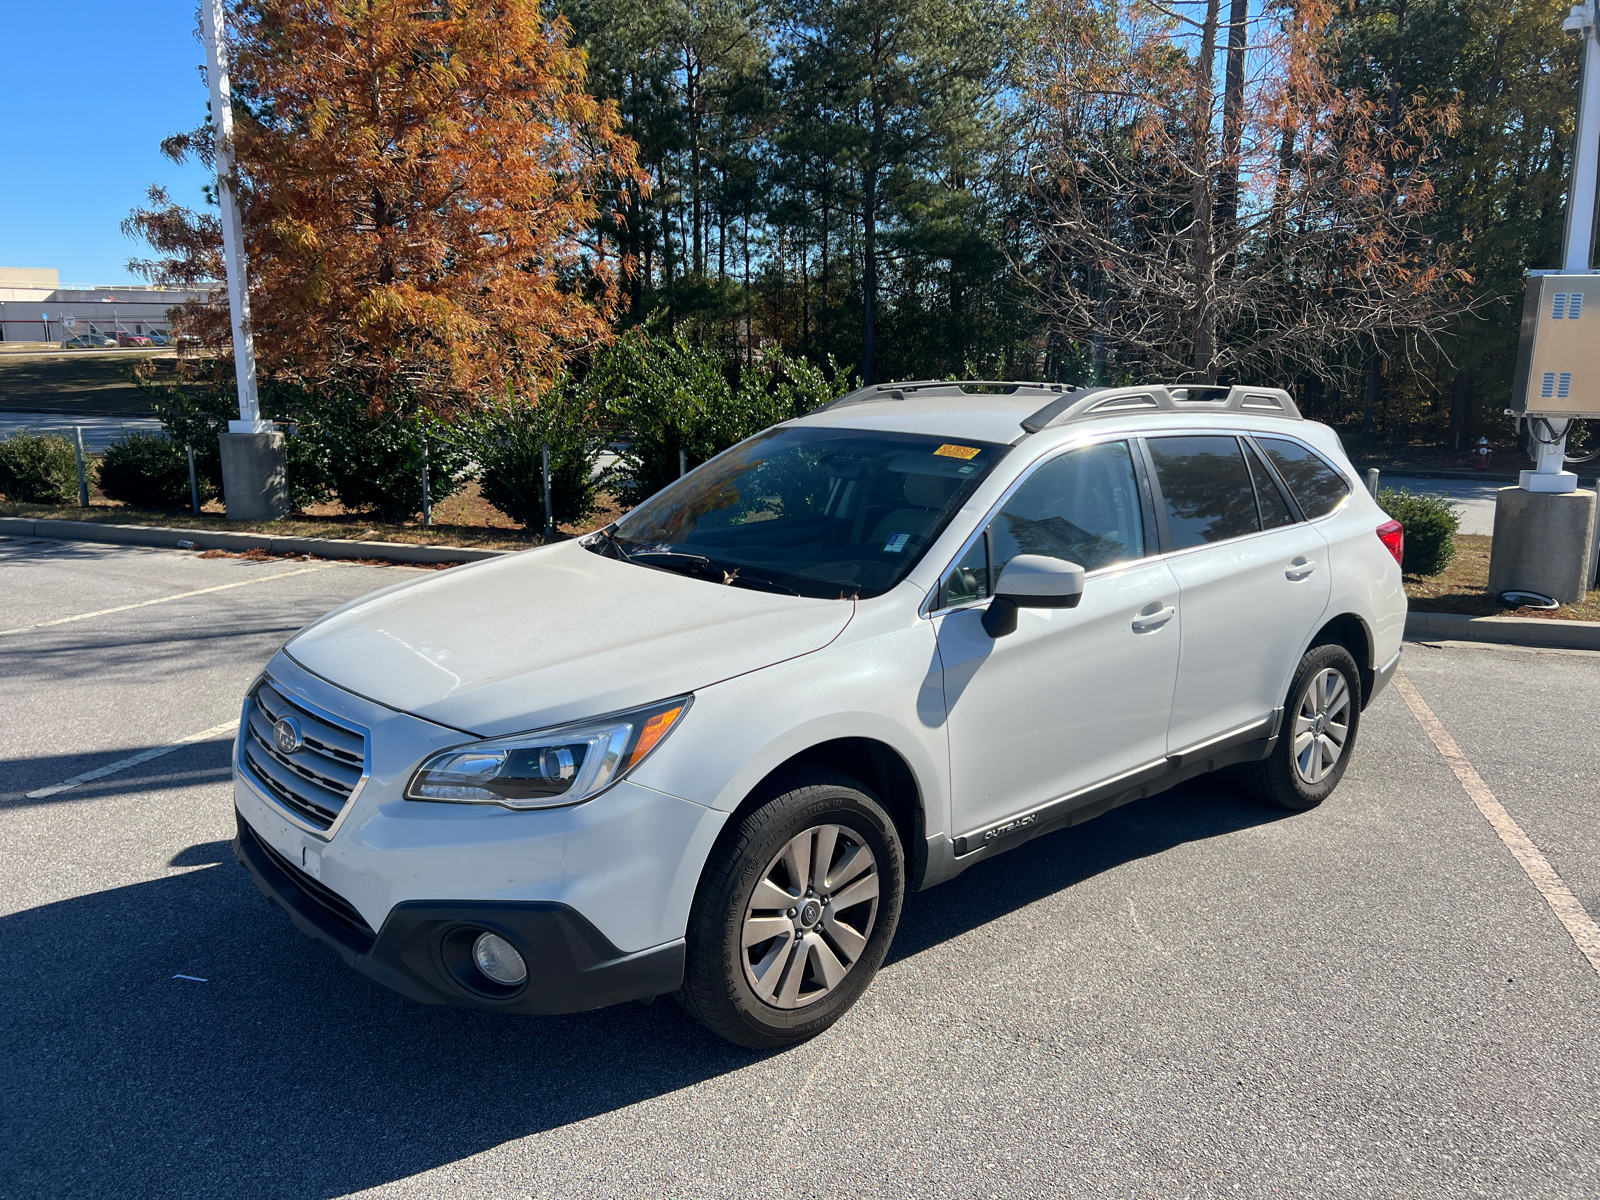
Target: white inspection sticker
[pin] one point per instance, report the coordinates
(896, 543)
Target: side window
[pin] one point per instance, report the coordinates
(1206, 487)
(1274, 509)
(1082, 507)
(1317, 487)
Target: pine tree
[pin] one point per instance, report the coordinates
(896, 84)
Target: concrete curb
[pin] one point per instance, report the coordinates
(1510, 631)
(208, 539)
(1468, 476)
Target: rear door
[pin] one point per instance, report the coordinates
(1252, 577)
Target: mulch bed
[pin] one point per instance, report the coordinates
(1464, 588)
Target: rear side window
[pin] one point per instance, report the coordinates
(1317, 487)
(1206, 488)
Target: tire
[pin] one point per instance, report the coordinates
(788, 987)
(1297, 774)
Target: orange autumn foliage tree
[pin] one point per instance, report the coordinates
(420, 181)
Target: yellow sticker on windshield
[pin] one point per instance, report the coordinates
(958, 451)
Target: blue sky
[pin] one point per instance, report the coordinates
(87, 94)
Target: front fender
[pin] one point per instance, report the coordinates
(880, 680)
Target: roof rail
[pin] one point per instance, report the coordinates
(1086, 403)
(1067, 404)
(945, 387)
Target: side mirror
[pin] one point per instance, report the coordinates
(1032, 581)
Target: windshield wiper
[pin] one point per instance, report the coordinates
(754, 581)
(708, 569)
(696, 566)
(645, 556)
(616, 545)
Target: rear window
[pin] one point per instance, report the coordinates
(1314, 483)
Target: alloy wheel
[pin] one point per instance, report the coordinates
(1321, 725)
(810, 916)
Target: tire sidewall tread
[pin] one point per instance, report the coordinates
(715, 991)
(1275, 779)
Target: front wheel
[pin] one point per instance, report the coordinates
(1317, 734)
(794, 914)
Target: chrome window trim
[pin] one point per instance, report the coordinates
(243, 771)
(926, 609)
(1301, 519)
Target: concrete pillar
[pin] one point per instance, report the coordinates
(255, 476)
(1594, 551)
(1542, 543)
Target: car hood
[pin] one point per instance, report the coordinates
(555, 634)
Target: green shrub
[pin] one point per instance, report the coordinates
(38, 468)
(665, 395)
(1430, 522)
(150, 470)
(506, 440)
(195, 410)
(373, 461)
(310, 480)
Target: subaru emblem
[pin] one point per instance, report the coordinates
(287, 734)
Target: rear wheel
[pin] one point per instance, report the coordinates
(794, 914)
(1317, 734)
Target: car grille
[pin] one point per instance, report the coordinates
(333, 905)
(314, 782)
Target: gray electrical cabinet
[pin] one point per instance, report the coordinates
(1558, 359)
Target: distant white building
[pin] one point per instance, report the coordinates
(33, 302)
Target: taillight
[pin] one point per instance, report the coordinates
(1393, 535)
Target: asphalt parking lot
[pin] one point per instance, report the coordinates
(1192, 996)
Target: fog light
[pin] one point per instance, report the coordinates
(499, 960)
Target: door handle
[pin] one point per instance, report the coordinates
(1154, 620)
(1300, 568)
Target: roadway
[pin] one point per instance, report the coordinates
(1191, 996)
(1474, 500)
(98, 431)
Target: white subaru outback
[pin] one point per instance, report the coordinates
(707, 750)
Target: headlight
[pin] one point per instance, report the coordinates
(548, 767)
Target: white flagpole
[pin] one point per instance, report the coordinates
(244, 351)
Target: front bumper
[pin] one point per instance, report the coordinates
(418, 952)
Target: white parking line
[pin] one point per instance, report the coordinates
(221, 587)
(122, 764)
(1551, 886)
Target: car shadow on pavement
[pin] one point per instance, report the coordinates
(277, 1071)
(1207, 807)
(284, 1073)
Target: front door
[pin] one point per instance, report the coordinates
(1252, 581)
(1074, 696)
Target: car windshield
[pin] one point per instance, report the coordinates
(828, 513)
